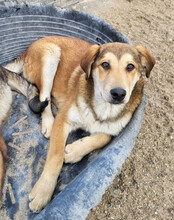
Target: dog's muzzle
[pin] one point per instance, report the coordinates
(118, 95)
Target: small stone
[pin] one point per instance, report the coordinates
(115, 191)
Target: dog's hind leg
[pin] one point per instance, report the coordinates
(51, 61)
(17, 65)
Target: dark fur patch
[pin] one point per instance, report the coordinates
(3, 75)
(36, 106)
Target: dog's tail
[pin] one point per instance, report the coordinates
(3, 162)
(18, 83)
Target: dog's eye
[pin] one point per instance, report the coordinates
(130, 67)
(105, 65)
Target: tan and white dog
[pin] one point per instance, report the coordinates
(96, 88)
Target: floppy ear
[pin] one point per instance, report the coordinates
(147, 60)
(88, 59)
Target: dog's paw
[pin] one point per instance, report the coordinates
(40, 195)
(73, 152)
(47, 124)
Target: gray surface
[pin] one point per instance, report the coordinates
(57, 3)
(87, 180)
(21, 25)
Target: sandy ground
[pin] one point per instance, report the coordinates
(144, 189)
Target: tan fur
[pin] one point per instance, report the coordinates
(146, 59)
(83, 96)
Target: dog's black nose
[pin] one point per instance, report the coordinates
(118, 94)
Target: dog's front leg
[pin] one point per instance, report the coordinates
(42, 191)
(77, 150)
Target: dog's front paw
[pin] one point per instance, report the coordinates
(41, 195)
(73, 152)
(47, 124)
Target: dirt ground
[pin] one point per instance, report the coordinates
(144, 189)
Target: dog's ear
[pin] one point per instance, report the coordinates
(147, 60)
(88, 59)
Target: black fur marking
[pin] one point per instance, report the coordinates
(3, 75)
(36, 106)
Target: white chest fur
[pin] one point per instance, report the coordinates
(106, 122)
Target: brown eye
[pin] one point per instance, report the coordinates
(105, 65)
(130, 67)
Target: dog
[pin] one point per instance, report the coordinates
(96, 88)
(12, 81)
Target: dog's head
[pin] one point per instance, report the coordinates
(115, 68)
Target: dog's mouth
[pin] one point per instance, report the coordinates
(115, 102)
(118, 103)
